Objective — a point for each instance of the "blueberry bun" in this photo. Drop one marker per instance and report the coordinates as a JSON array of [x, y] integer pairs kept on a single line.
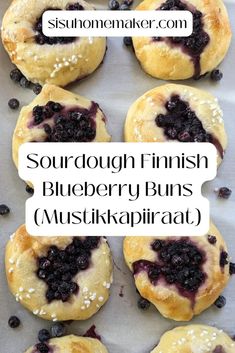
[[180, 276], [57, 115], [56, 60], [177, 113], [59, 278], [178, 58], [69, 344], [193, 339]]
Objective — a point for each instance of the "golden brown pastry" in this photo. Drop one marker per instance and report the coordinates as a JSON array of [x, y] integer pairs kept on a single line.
[[48, 59], [176, 113], [178, 58], [195, 339], [181, 276], [57, 115], [59, 278], [72, 344]]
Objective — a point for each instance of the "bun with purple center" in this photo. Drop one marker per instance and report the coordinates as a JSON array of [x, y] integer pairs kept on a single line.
[[178, 58], [42, 59], [59, 278], [180, 276]]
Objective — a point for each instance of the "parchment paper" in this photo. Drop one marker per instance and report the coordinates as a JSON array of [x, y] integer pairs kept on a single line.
[[115, 85]]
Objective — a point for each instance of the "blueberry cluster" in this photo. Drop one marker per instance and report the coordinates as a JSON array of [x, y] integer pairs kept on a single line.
[[124, 6], [197, 41], [41, 39], [179, 262], [41, 113], [73, 125], [181, 123], [58, 268]]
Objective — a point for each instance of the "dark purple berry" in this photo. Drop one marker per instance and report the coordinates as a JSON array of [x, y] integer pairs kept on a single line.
[[29, 190], [232, 268], [37, 88], [13, 103], [14, 322], [42, 348], [58, 329], [16, 75], [223, 258], [124, 7], [114, 5], [212, 239], [157, 245], [24, 83], [224, 193], [4, 210], [216, 75], [143, 304], [220, 302], [127, 41], [44, 335], [128, 2]]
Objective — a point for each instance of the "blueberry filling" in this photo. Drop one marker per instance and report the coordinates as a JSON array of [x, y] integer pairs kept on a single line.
[[58, 268], [219, 349], [181, 123], [42, 348], [196, 42], [179, 262], [41, 39], [223, 258], [74, 124]]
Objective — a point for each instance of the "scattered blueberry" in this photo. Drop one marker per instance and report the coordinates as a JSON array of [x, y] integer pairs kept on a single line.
[[127, 41], [24, 83], [42, 348], [37, 88], [14, 322], [128, 2], [212, 239], [232, 268], [224, 192], [4, 209], [16, 75], [143, 304], [114, 5], [124, 7], [58, 330], [216, 75], [44, 335], [220, 302], [13, 103], [29, 190]]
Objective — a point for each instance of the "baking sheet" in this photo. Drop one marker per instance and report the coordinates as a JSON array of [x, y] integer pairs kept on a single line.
[[115, 85]]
